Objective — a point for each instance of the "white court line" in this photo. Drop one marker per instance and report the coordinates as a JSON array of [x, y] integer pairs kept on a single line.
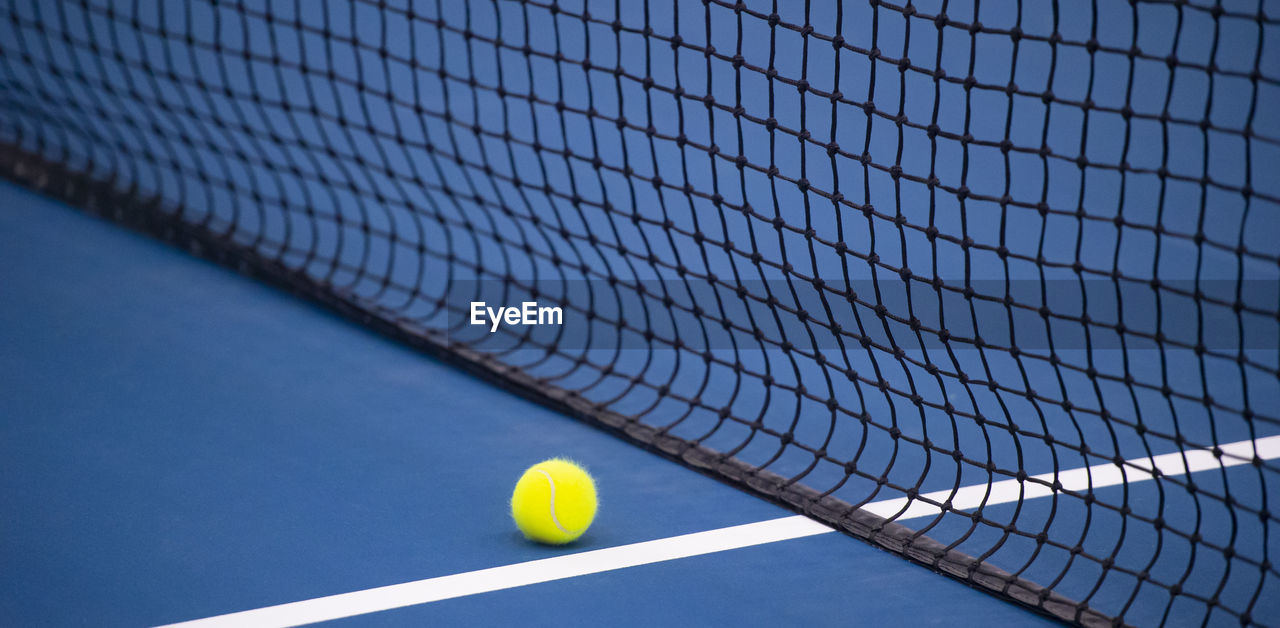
[[719, 540], [1097, 476]]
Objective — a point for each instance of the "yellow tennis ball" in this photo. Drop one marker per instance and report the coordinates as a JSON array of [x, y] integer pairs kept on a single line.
[[554, 502]]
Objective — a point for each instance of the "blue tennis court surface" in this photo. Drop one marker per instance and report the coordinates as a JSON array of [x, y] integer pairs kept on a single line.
[[178, 442]]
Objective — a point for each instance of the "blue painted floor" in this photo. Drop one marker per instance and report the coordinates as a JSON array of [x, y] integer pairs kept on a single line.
[[177, 441]]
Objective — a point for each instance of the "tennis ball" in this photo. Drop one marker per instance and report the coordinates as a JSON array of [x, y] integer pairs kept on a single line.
[[554, 502]]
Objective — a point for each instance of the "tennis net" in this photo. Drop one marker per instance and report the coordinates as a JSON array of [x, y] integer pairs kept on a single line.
[[1011, 268]]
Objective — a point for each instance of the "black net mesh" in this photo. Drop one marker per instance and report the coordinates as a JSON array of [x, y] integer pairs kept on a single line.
[[990, 284]]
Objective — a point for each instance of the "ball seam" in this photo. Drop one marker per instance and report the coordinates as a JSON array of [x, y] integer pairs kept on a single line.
[[552, 483]]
